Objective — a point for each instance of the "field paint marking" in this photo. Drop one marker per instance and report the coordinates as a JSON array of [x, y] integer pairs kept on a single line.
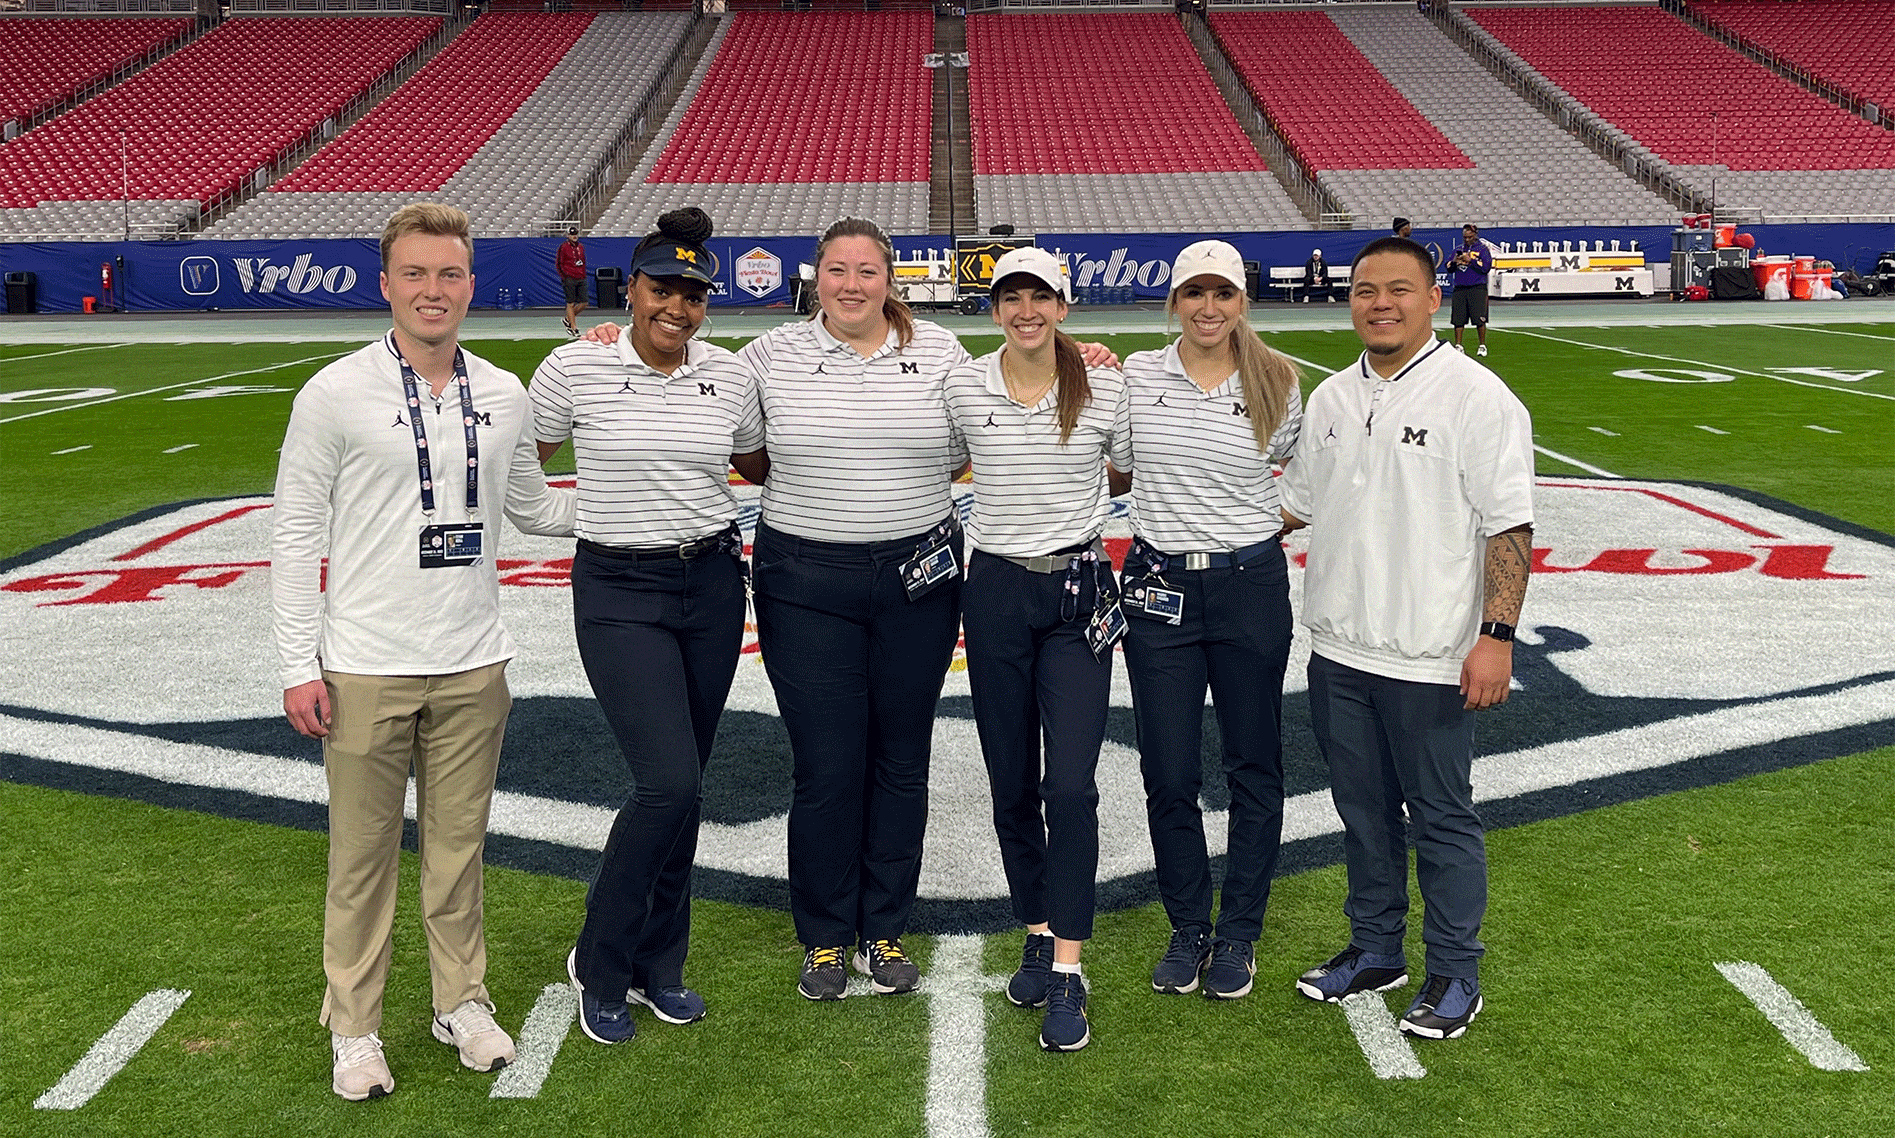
[[74, 450], [1830, 331], [1574, 462], [176, 386], [1702, 363], [1604, 431], [541, 1038], [1389, 1054], [1713, 430], [62, 352], [176, 449], [1825, 430], [1792, 1019], [957, 1039], [113, 1050]]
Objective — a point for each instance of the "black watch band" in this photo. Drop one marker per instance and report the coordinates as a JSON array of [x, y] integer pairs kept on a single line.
[[1498, 630]]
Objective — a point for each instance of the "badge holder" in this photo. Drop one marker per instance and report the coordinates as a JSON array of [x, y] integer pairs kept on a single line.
[[1151, 595], [933, 563], [448, 546]]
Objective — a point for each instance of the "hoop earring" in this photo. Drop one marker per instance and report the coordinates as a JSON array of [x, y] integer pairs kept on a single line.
[[704, 329]]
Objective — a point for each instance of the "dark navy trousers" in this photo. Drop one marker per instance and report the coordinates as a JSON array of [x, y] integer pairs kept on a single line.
[[1035, 683], [659, 639], [857, 667], [1389, 743], [1234, 638]]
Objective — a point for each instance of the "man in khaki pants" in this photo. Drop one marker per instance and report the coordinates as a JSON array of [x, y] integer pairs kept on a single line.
[[398, 658]]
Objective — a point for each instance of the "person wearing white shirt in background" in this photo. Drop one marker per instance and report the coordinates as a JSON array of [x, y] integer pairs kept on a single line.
[[1416, 477], [1208, 596], [1040, 614], [398, 657]]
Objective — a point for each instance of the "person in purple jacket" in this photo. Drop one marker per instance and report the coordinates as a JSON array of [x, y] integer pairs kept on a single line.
[[1470, 265]]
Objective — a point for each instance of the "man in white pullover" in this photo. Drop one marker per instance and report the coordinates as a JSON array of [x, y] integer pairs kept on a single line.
[[394, 655], [1415, 472]]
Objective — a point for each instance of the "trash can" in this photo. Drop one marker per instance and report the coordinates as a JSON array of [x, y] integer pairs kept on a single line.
[[22, 292], [609, 287], [1254, 280]]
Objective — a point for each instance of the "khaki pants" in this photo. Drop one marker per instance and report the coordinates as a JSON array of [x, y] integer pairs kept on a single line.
[[449, 728]]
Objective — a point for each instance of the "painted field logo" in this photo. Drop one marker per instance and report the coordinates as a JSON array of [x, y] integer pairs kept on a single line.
[[1667, 625]]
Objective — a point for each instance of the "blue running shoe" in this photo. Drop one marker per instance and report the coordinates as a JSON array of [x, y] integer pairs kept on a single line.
[[673, 1003], [1028, 987], [1064, 1027], [1184, 958], [603, 1021], [1444, 1008], [1232, 967], [1354, 970]]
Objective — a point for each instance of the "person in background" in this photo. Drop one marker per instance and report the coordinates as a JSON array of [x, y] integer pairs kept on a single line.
[[1469, 266], [1316, 279], [1401, 227], [570, 261], [392, 652]]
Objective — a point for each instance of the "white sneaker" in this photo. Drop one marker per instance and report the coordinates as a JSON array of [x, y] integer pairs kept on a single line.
[[1482, 350], [360, 1071], [1459, 348], [473, 1032]]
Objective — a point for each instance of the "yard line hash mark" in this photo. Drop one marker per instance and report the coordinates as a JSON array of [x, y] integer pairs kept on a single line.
[[74, 450], [1712, 430], [1389, 1055], [1825, 430], [541, 1038], [1792, 1019], [1604, 431], [176, 449], [114, 1049]]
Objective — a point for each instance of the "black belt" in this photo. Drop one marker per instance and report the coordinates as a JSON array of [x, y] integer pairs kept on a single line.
[[1213, 560], [683, 551]]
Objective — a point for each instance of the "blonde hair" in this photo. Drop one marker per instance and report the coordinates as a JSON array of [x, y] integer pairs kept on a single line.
[[431, 218], [894, 309], [1266, 377]]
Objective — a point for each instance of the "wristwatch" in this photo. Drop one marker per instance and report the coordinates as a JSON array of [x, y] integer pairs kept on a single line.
[[1498, 630]]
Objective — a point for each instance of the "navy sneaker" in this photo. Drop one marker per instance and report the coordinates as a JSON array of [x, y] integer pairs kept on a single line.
[[603, 1021], [1064, 1027], [1232, 967], [1184, 958], [1028, 987], [1444, 1008], [889, 969], [823, 977], [673, 1003], [1354, 970]]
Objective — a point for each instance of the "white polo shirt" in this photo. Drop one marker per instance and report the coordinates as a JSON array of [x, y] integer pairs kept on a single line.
[[653, 450], [348, 488], [1033, 494], [860, 449], [1199, 484], [1403, 480]]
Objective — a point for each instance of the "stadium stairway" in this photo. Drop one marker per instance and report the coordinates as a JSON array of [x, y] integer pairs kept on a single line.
[[50, 64], [1845, 44]]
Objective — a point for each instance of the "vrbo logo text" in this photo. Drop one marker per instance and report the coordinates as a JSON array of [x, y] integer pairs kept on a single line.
[[258, 275], [1117, 270]]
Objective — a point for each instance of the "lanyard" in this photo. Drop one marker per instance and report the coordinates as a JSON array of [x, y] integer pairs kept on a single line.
[[411, 391]]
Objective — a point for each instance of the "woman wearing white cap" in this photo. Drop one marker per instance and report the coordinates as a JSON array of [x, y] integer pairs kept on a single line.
[[1040, 614], [1207, 590], [658, 602]]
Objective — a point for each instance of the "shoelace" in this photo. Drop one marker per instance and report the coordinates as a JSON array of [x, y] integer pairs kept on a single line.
[[1434, 992], [1067, 994], [1038, 954], [887, 952], [471, 1019], [1228, 949], [359, 1049], [1185, 947], [826, 958]]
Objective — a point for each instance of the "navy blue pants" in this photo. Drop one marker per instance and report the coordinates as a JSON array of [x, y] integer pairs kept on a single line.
[[857, 667], [660, 640], [1033, 678], [1389, 742], [1235, 638]]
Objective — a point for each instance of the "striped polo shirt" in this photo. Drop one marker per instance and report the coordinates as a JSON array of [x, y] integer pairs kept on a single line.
[[1033, 494], [653, 450], [1199, 484], [860, 448]]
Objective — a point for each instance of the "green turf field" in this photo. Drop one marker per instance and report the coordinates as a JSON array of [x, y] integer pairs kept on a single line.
[[1606, 1015]]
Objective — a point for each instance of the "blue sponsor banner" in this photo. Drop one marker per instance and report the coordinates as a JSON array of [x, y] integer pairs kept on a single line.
[[182, 276]]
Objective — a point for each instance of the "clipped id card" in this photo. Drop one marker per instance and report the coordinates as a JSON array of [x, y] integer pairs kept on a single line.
[[443, 547], [1157, 602], [921, 573], [1106, 626]]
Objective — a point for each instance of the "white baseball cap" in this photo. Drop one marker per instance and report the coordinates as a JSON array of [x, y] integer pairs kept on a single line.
[[1316, 252], [1036, 263], [1209, 258]]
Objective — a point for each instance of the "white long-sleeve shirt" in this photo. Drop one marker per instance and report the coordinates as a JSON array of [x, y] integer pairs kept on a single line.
[[347, 487]]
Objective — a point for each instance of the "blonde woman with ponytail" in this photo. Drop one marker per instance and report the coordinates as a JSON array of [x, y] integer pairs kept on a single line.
[[1207, 593]]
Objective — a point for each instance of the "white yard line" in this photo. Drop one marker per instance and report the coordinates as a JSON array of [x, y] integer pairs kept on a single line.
[[1574, 462], [1604, 431], [1712, 430], [540, 1040], [1389, 1054], [113, 1050], [62, 352], [1703, 364], [1792, 1019], [957, 1039], [175, 386], [176, 449], [74, 450], [1825, 430], [1832, 332]]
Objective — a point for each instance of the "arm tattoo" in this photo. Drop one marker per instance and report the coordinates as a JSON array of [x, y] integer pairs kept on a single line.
[[1509, 558]]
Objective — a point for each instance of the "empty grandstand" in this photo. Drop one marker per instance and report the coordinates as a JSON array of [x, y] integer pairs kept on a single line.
[[1845, 43], [47, 61]]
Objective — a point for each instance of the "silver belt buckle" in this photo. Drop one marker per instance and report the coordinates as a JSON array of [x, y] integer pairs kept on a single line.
[[1198, 561], [1043, 564], [689, 549]]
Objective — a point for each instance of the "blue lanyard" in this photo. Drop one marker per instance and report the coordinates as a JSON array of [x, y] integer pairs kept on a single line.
[[411, 390]]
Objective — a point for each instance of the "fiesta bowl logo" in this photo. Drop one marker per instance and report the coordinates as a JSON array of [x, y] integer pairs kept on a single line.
[[758, 272], [1669, 629]]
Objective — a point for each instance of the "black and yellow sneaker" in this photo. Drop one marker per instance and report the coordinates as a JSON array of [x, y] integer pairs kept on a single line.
[[823, 975], [889, 969]]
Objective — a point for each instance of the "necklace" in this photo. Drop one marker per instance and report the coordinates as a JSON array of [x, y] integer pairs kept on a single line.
[[1027, 393]]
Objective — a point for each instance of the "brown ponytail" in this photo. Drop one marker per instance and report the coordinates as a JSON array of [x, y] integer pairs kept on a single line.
[[1072, 390]]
